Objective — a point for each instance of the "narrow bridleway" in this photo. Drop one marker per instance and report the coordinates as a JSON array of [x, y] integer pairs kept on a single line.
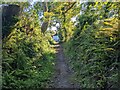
[[62, 70]]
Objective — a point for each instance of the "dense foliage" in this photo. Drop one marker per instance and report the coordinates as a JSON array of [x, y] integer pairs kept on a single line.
[[94, 49], [91, 43], [27, 56]]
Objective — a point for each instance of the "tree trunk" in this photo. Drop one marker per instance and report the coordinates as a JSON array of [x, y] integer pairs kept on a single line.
[[45, 23]]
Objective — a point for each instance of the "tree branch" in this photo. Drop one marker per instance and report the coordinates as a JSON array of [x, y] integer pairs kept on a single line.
[[70, 7]]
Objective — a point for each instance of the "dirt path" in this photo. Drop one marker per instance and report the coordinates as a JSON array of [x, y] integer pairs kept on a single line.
[[63, 72]]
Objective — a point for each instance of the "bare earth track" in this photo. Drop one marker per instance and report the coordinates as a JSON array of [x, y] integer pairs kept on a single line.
[[62, 71]]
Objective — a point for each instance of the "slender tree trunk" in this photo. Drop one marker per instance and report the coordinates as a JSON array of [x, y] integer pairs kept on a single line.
[[45, 23], [65, 31]]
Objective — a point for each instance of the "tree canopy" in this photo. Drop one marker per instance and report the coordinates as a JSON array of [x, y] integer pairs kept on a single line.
[[90, 33]]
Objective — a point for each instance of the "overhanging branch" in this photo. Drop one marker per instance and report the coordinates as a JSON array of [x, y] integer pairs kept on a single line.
[[70, 7]]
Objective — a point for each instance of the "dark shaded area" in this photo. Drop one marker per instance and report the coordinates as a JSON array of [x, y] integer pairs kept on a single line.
[[9, 18]]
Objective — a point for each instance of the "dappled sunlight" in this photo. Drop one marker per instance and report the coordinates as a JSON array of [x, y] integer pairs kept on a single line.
[[60, 45]]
